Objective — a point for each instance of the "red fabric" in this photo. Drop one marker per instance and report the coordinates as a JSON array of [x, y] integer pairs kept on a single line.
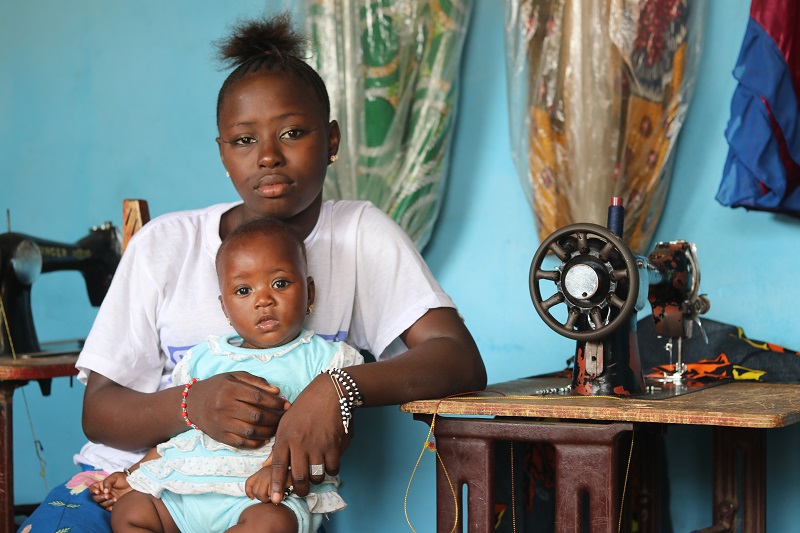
[[792, 168], [781, 20]]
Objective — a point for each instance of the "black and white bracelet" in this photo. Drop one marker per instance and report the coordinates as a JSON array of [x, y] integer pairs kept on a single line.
[[354, 397], [349, 395]]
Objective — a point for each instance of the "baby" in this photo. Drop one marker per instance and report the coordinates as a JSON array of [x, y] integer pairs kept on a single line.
[[194, 483]]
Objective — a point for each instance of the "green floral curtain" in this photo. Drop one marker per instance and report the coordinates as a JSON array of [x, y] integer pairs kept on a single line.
[[391, 67]]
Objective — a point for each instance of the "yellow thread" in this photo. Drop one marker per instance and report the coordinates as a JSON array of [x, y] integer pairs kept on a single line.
[[526, 397], [500, 516], [441, 462], [8, 330], [625, 483]]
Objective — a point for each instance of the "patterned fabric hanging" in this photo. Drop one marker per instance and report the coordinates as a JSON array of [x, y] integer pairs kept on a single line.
[[392, 69], [598, 91], [762, 171]]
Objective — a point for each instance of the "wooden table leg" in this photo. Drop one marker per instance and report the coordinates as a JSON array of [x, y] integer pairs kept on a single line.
[[6, 456], [466, 459], [590, 470], [740, 468], [586, 462]]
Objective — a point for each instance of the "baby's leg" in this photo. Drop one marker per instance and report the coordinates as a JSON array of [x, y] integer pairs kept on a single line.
[[139, 512], [266, 518]]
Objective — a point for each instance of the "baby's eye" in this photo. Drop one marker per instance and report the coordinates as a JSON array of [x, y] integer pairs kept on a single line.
[[280, 283], [242, 291]]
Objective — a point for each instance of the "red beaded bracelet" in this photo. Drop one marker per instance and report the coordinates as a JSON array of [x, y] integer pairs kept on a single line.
[[185, 395]]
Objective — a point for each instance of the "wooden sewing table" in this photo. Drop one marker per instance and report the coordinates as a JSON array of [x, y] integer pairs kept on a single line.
[[15, 373], [586, 437]]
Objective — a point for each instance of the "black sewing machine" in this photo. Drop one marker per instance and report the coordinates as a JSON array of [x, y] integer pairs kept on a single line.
[[603, 285], [23, 258]]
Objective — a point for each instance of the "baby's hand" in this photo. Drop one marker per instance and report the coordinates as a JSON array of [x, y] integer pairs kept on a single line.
[[258, 485], [108, 491]]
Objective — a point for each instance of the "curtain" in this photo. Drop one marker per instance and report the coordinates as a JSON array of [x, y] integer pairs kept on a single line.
[[391, 67], [598, 92]]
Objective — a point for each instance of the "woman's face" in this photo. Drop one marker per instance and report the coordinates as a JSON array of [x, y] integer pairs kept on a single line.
[[275, 141], [264, 290]]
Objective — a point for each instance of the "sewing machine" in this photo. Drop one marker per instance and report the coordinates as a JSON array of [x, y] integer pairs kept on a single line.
[[603, 285], [23, 258]]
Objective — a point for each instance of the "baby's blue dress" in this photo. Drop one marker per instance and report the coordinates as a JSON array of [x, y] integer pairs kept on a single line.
[[200, 480]]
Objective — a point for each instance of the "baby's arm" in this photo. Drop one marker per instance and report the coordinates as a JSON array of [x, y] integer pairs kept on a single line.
[[112, 488]]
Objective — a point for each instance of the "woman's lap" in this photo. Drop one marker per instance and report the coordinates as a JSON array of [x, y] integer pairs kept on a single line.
[[69, 507]]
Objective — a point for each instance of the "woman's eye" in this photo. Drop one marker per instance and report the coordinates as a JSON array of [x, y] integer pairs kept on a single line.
[[243, 291], [280, 284], [292, 134], [243, 141]]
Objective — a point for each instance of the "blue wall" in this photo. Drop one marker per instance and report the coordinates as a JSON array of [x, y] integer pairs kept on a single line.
[[101, 101]]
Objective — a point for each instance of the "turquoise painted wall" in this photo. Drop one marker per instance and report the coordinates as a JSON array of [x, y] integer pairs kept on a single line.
[[102, 101]]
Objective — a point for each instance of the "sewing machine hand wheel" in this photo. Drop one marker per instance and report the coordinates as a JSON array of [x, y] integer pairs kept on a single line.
[[597, 279]]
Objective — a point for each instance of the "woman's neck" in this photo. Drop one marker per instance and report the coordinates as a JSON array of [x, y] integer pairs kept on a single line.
[[303, 222]]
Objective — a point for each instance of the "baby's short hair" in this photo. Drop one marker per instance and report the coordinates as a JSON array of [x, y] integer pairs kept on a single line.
[[271, 227]]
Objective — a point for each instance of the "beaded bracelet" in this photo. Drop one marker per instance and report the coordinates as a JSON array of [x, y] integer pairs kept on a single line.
[[185, 395], [347, 412], [354, 396], [342, 381]]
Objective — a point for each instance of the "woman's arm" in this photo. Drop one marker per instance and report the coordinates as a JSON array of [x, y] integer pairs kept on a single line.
[[442, 359], [236, 408]]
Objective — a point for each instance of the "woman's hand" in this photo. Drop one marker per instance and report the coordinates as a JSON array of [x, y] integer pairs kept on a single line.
[[236, 408], [310, 433]]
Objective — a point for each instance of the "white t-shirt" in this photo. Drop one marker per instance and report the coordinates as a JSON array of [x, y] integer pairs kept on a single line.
[[371, 285]]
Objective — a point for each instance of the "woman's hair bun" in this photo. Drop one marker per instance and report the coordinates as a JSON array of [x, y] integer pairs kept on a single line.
[[250, 39], [265, 45]]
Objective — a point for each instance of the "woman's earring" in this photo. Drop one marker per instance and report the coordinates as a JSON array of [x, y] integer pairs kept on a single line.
[[227, 174], [333, 158], [310, 307]]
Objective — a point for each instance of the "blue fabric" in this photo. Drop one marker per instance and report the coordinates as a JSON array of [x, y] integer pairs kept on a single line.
[[69, 508], [755, 177]]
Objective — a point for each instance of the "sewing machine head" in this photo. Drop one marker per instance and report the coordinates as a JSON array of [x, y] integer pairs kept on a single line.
[[603, 285], [23, 258]]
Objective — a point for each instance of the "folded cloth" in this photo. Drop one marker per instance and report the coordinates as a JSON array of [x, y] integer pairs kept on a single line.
[[729, 354]]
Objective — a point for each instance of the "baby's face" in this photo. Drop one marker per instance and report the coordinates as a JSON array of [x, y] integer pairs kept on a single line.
[[265, 290]]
